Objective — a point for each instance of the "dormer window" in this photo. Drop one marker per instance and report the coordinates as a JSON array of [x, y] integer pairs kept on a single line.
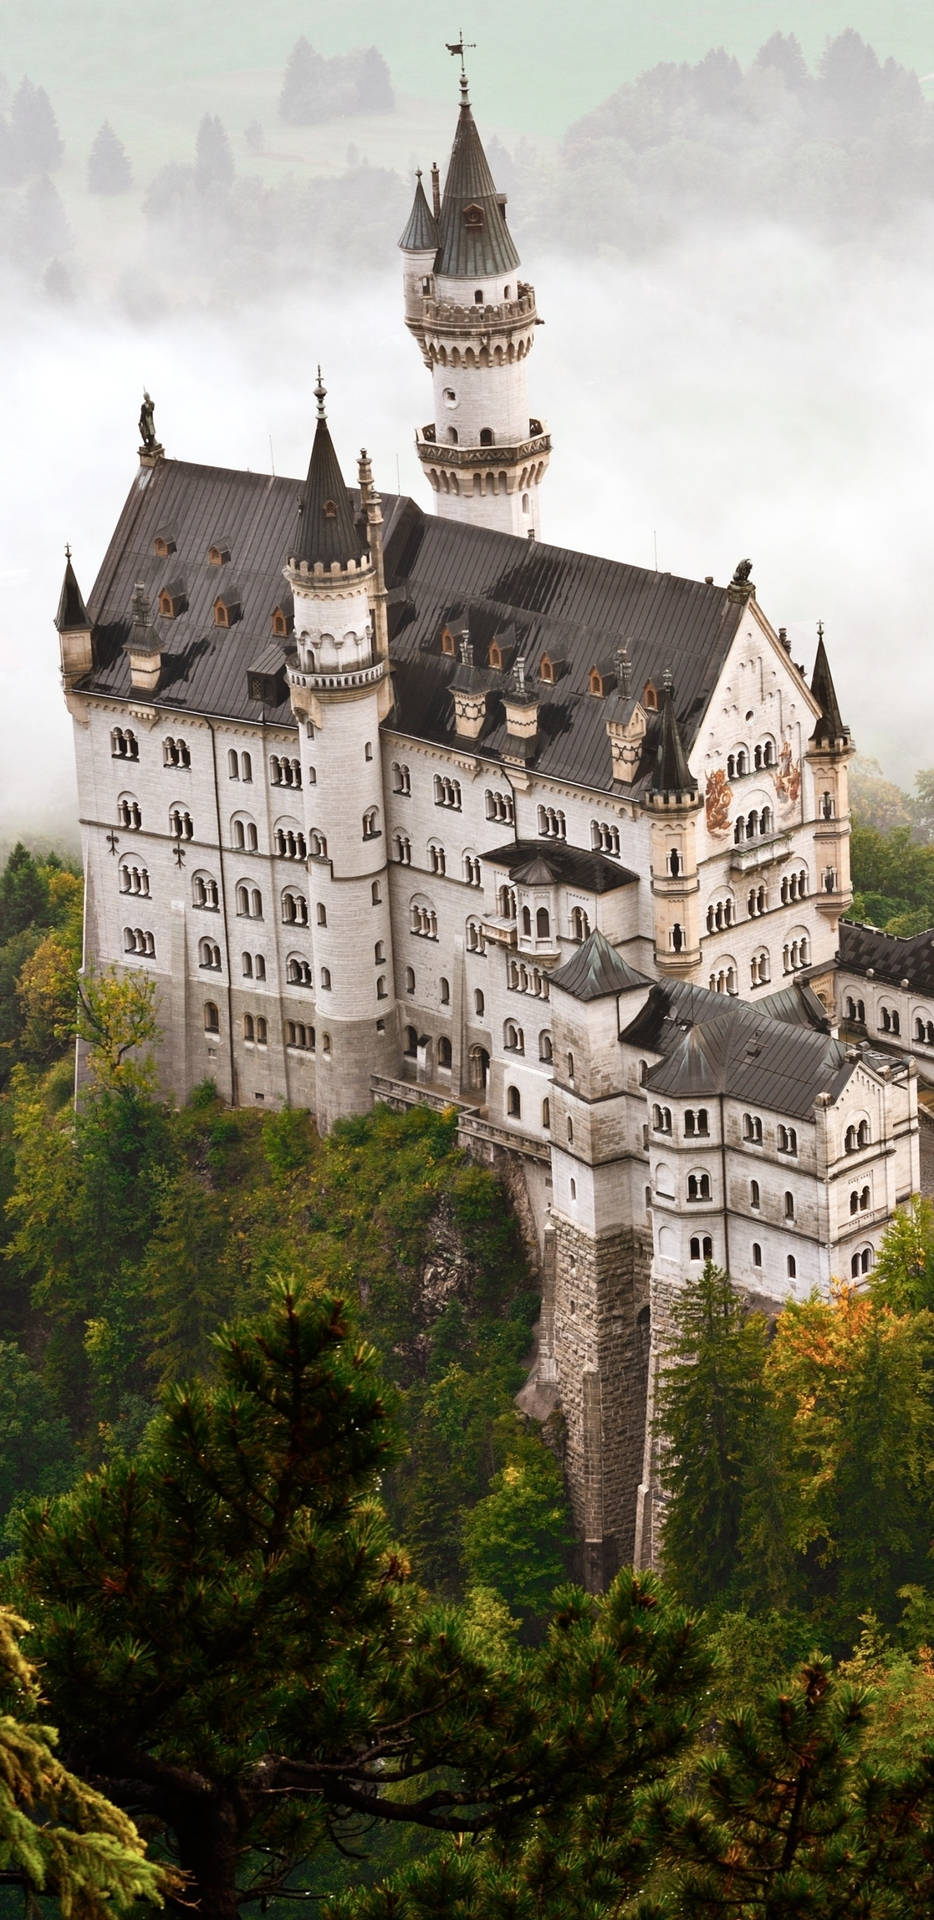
[[650, 697], [219, 553], [280, 623], [164, 543], [597, 683], [330, 509], [496, 656], [447, 642], [473, 219], [226, 609], [547, 670], [173, 600]]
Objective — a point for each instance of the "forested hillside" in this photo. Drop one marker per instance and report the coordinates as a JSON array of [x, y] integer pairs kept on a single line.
[[297, 1598]]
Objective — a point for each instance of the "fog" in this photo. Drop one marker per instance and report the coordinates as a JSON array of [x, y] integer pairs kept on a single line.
[[738, 390]]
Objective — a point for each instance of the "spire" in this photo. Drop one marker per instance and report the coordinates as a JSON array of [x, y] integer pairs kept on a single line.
[[475, 241], [72, 615], [830, 727], [421, 230], [672, 774], [326, 531]]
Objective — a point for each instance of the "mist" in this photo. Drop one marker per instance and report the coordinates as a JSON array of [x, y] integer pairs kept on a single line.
[[740, 389]]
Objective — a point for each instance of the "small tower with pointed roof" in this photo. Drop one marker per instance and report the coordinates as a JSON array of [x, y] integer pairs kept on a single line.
[[673, 802], [829, 749], [474, 318], [75, 632], [339, 688]]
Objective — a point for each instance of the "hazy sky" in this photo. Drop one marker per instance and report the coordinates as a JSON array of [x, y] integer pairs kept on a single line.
[[736, 395]]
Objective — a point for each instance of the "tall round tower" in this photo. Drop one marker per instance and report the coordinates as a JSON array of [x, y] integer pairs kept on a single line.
[[339, 686], [474, 318]]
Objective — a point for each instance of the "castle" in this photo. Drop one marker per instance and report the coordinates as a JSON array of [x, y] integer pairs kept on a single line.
[[417, 807]]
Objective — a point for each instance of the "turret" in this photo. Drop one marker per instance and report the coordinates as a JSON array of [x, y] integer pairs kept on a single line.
[[340, 690], [474, 319], [674, 802], [828, 752], [75, 632]]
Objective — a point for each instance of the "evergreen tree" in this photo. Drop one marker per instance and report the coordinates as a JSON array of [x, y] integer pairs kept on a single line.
[[304, 87], [228, 1639], [518, 1539], [711, 1405], [214, 165], [374, 86], [37, 144], [58, 1836], [789, 1821], [782, 52], [24, 894], [109, 170]]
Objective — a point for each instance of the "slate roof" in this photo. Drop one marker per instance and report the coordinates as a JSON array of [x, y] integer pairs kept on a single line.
[[468, 252], [596, 970], [561, 865], [420, 234], [710, 1045], [829, 727], [326, 530], [72, 613], [439, 572], [797, 1004], [867, 949], [671, 774]]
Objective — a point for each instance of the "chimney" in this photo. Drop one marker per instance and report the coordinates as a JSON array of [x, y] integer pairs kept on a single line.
[[521, 708], [144, 646], [469, 689], [435, 190]]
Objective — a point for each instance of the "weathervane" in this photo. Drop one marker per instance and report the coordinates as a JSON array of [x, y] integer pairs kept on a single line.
[[460, 47]]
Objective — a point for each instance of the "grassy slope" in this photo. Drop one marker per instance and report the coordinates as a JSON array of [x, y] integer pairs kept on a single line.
[[537, 65]]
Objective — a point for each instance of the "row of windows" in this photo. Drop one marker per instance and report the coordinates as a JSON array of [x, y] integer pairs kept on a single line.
[[741, 762], [756, 825], [284, 770], [522, 979], [137, 940], [786, 1138], [696, 1121], [889, 1020], [722, 913]]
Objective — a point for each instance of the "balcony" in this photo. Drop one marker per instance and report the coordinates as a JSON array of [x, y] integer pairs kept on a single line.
[[448, 316], [436, 453], [752, 855], [502, 932]]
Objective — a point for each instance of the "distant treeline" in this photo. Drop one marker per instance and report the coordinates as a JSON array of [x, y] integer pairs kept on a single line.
[[840, 151]]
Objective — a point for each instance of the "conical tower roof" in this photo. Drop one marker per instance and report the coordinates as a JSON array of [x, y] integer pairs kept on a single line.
[[597, 969], [420, 234], [672, 773], [475, 240], [326, 532], [829, 727], [72, 613]]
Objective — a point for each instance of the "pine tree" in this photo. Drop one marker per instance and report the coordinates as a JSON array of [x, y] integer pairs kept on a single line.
[[23, 894], [37, 144], [58, 1836], [109, 170], [303, 99], [711, 1405], [214, 165], [229, 1640]]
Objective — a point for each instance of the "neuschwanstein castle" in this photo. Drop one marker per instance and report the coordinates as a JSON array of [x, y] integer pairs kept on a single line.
[[412, 806]]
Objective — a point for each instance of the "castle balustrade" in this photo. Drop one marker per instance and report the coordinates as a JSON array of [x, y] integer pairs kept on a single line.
[[434, 453], [751, 855]]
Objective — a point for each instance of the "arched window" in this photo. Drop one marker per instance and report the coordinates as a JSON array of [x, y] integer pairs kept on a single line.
[[527, 922], [410, 1043], [661, 1119], [788, 1140], [544, 1046], [570, 1132], [437, 860], [580, 924], [506, 901], [486, 436], [754, 1199], [211, 1018], [472, 873], [204, 891], [756, 1254], [401, 778], [128, 812], [791, 1265], [698, 1186], [570, 1066], [445, 991], [479, 1003], [546, 1116], [542, 924], [175, 752], [752, 1129], [298, 970], [789, 1205], [326, 979], [209, 955], [513, 1038], [124, 744], [180, 824], [294, 908], [445, 1054], [321, 914], [513, 1103], [249, 1028], [371, 823]]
